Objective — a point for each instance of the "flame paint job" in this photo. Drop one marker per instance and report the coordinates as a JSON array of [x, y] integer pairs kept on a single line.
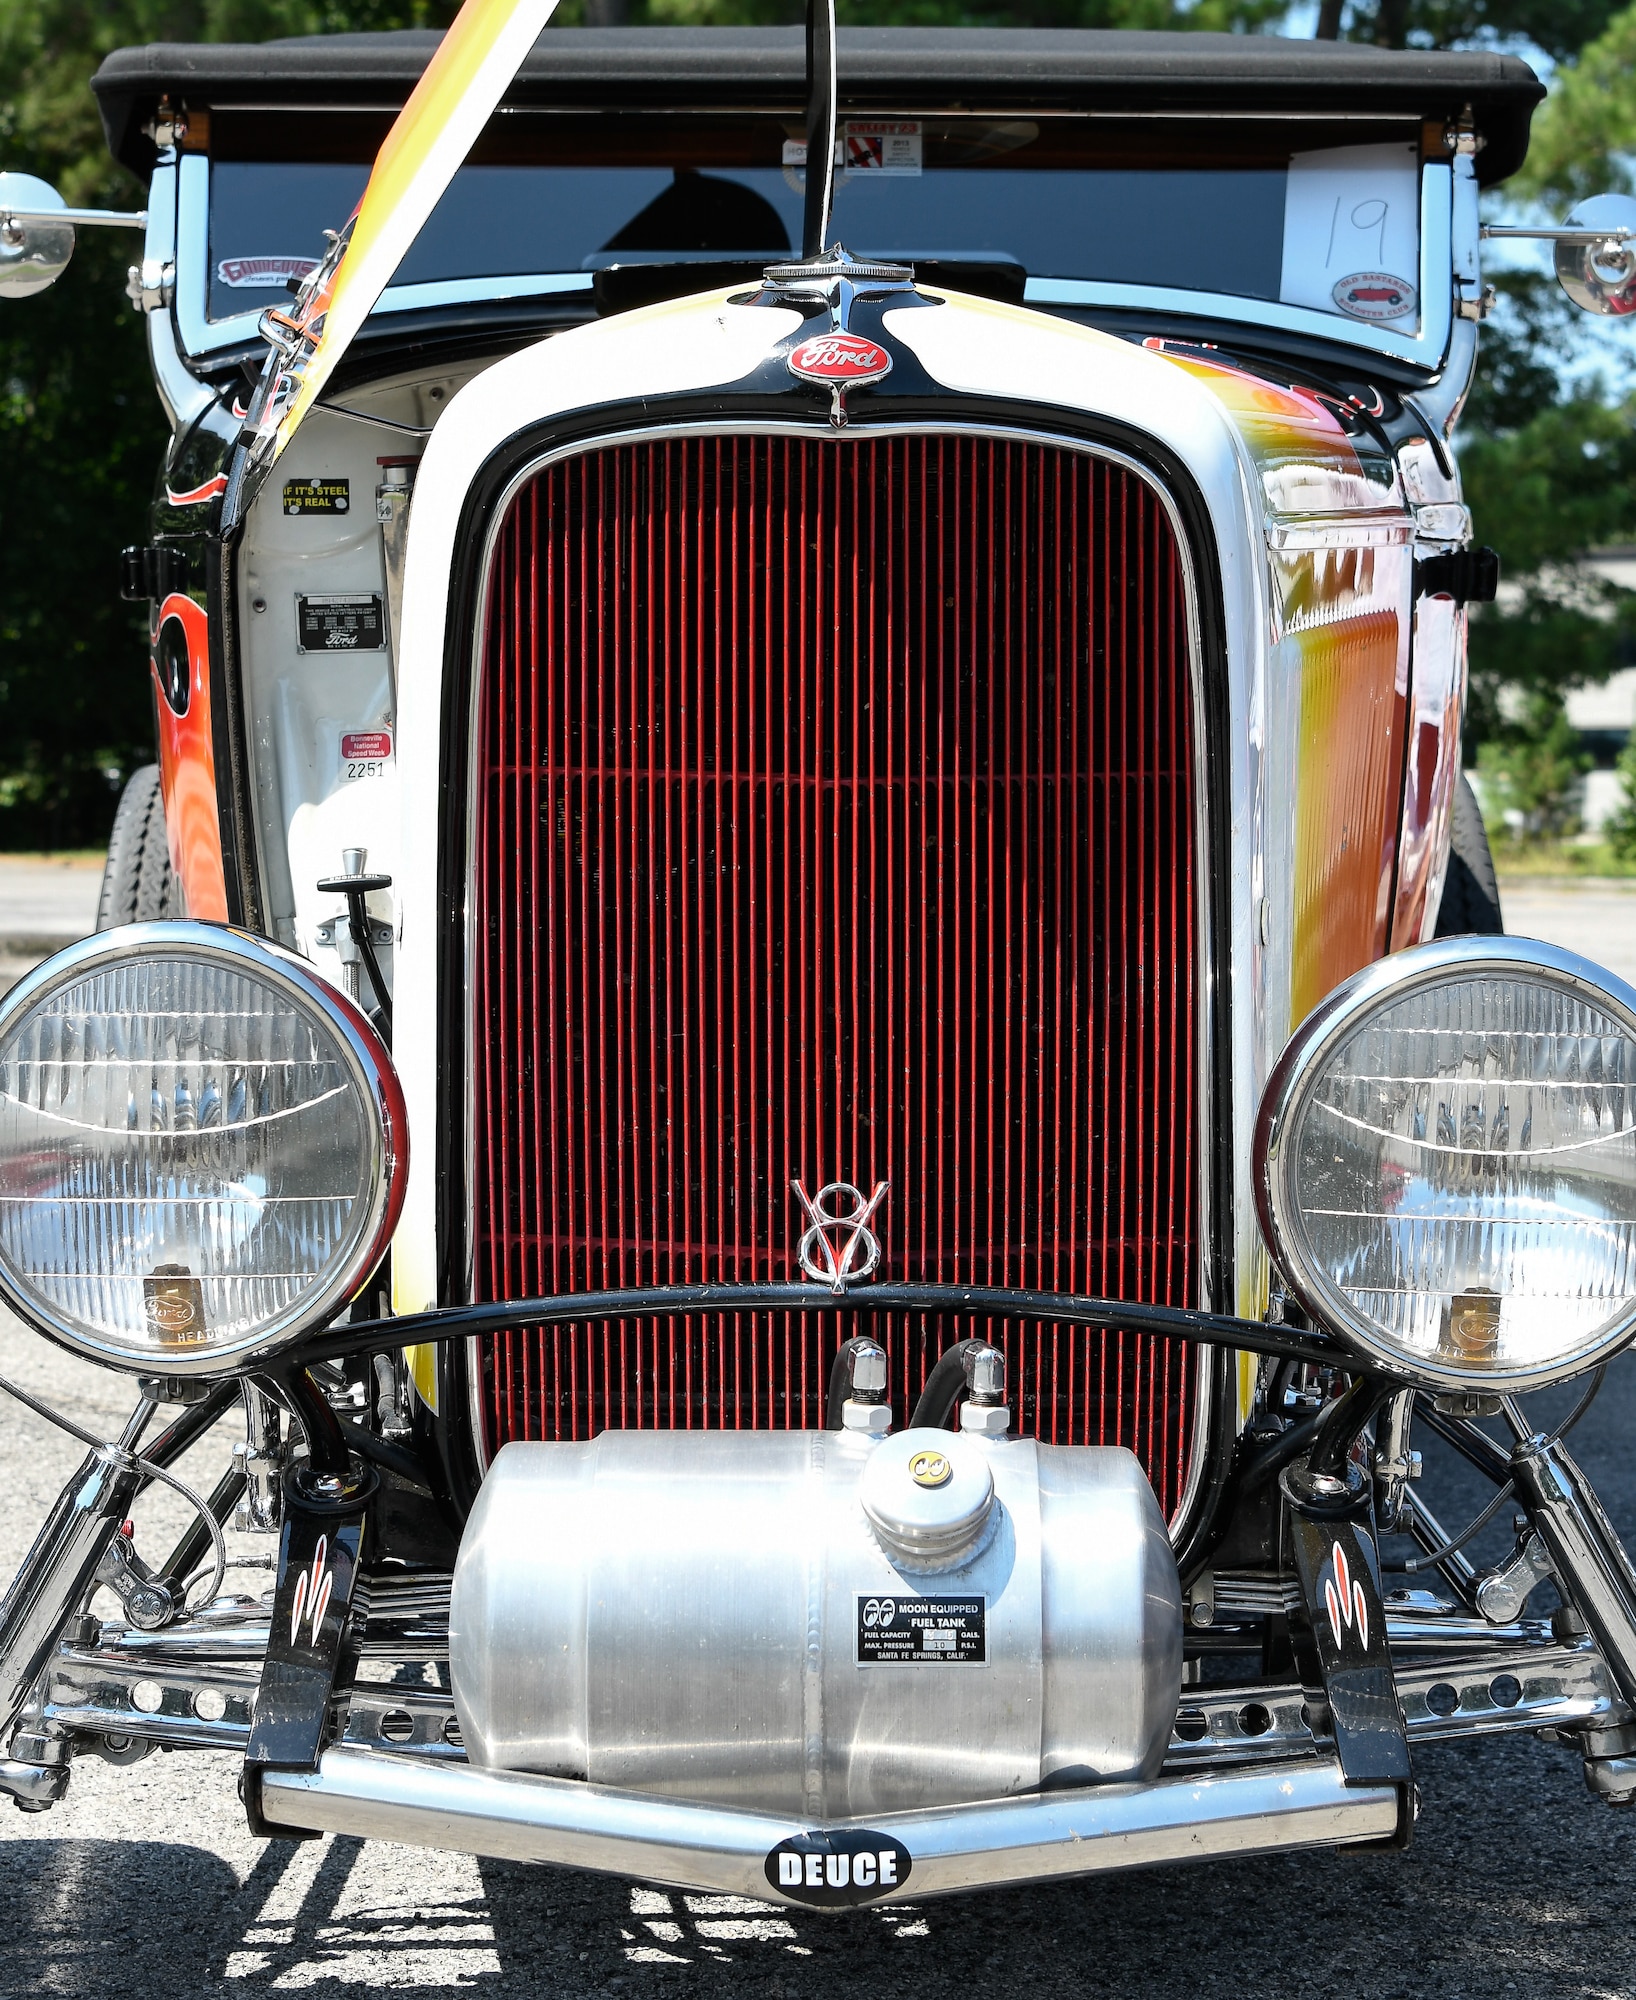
[[1437, 692], [1342, 576], [187, 769]]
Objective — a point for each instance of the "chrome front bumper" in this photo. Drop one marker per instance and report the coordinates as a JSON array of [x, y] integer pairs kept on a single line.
[[1043, 1837]]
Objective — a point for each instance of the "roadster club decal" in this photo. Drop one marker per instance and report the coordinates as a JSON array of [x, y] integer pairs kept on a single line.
[[1344, 1600], [1375, 295], [837, 1870], [840, 357]]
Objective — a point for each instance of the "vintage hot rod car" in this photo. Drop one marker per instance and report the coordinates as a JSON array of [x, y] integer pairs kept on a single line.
[[893, 807]]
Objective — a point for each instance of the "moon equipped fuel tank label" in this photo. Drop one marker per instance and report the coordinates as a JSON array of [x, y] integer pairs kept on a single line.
[[339, 625], [317, 496], [930, 1631]]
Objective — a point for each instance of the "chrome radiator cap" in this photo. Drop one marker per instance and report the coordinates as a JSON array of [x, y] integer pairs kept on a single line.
[[929, 1496]]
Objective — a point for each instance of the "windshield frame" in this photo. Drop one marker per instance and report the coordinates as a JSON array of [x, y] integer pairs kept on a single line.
[[207, 342]]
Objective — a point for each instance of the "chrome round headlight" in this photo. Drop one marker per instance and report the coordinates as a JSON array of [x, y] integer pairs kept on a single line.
[[1446, 1163], [203, 1148]]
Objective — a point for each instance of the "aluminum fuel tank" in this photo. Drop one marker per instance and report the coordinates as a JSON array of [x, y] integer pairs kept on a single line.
[[817, 1621]]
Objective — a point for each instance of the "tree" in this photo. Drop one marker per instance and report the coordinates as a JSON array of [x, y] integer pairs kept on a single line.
[[1531, 766], [1583, 133], [81, 432], [1559, 27]]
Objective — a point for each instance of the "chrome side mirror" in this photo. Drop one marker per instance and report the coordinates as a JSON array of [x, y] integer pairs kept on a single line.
[[1595, 253], [34, 248], [1599, 271]]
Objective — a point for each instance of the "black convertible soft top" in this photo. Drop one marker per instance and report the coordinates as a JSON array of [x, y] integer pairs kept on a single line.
[[903, 69]]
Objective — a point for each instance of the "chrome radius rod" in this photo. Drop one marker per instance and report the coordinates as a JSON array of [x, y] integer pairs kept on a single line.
[[60, 1568]]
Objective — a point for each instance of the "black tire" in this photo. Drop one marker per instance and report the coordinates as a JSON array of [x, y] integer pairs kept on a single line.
[[138, 883], [1471, 891]]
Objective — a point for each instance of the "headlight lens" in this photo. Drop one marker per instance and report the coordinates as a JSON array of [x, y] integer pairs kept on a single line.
[[202, 1148], [1447, 1163]]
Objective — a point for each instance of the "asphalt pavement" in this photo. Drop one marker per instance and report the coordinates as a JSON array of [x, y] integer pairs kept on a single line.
[[46, 901], [144, 1879]]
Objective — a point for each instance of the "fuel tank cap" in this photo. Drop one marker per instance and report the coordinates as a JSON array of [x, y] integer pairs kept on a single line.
[[928, 1495]]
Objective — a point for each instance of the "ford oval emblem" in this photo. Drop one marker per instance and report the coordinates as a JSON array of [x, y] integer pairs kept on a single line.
[[836, 1871], [842, 358]]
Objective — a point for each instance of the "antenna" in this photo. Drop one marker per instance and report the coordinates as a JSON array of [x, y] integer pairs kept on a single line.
[[820, 126]]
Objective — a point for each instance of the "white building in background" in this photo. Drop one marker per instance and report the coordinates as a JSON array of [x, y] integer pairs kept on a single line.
[[1605, 715]]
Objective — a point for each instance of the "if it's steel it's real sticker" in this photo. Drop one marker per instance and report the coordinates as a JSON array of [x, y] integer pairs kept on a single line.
[[317, 496], [840, 1869]]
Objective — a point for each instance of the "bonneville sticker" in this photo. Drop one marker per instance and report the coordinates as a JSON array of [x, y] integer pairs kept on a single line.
[[339, 625], [840, 1869], [365, 753], [929, 1631], [317, 496]]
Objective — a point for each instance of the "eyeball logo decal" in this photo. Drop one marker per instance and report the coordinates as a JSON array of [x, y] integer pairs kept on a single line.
[[930, 1468], [1344, 1600], [840, 357]]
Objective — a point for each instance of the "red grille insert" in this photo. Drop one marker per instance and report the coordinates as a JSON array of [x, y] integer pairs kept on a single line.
[[835, 820]]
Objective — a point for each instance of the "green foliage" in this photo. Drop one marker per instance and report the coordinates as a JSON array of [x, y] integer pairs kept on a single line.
[[1550, 472], [1559, 27], [81, 433], [1530, 768], [1583, 135], [1619, 830]]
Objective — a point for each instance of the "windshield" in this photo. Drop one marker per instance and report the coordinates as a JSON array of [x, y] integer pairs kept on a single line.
[[1330, 227]]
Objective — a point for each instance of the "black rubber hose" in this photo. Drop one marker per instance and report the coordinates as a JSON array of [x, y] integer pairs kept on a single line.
[[325, 1434], [1283, 1450], [358, 915], [840, 1379], [1343, 1423], [944, 1387], [390, 1456]]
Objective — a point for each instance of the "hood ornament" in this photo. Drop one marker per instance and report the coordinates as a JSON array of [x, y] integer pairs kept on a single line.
[[838, 1247], [837, 359]]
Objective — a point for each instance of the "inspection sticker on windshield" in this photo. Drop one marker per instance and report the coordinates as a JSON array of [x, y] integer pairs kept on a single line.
[[869, 146], [883, 146], [339, 625], [929, 1631]]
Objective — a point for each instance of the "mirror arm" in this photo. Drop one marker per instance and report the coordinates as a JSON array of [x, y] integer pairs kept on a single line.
[[1561, 235], [75, 218]]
